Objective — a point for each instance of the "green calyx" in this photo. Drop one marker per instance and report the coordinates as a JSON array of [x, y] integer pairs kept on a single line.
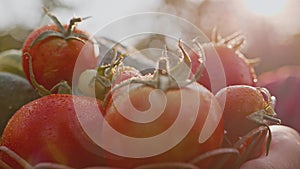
[[235, 41], [106, 73], [267, 115], [165, 78], [63, 33]]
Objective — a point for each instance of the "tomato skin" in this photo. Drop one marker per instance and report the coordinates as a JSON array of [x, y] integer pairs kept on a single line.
[[47, 130], [54, 58], [188, 148], [238, 71], [239, 101], [124, 73]]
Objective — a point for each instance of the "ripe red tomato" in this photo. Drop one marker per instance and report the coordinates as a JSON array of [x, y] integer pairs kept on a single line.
[[246, 108], [239, 102], [55, 49], [146, 112], [124, 73], [48, 130], [221, 57]]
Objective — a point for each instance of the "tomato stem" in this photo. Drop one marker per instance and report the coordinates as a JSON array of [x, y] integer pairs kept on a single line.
[[55, 20], [73, 24], [272, 119], [41, 89], [202, 59], [63, 86], [182, 70], [214, 152], [62, 32], [215, 36], [15, 156], [266, 115], [163, 78], [4, 165], [248, 152]]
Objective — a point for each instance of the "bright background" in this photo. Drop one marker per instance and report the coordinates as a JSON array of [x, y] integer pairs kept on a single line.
[[271, 27]]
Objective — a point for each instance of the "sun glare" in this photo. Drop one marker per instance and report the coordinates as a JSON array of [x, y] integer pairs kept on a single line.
[[265, 7]]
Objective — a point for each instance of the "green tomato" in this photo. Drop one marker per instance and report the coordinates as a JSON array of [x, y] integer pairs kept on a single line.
[[10, 61], [15, 91]]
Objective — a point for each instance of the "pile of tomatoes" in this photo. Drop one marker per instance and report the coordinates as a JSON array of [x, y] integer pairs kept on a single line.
[[183, 116]]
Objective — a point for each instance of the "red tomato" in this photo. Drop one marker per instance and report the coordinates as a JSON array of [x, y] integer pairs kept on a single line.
[[193, 105], [237, 69], [125, 73], [54, 56], [48, 130], [239, 102]]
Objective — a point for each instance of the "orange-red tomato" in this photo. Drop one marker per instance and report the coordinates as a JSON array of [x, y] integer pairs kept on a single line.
[[219, 58], [54, 58], [48, 130], [240, 101], [192, 106]]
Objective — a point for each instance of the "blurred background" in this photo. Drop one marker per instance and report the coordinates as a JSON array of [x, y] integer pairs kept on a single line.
[[271, 27]]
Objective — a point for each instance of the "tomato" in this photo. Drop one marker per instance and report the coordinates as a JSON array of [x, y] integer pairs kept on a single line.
[[48, 130], [189, 147], [240, 101], [284, 83], [55, 50], [247, 112], [124, 73], [238, 70], [284, 152], [182, 119], [15, 91]]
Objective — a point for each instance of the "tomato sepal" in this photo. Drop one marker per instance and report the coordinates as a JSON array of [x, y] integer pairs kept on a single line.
[[45, 35]]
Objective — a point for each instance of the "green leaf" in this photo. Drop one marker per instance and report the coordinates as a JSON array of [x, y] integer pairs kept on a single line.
[[46, 34]]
